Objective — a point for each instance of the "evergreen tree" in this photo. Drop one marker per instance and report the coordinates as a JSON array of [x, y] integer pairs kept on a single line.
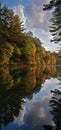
[[55, 27]]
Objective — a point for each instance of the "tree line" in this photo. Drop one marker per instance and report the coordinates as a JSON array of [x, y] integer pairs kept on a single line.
[[17, 46]]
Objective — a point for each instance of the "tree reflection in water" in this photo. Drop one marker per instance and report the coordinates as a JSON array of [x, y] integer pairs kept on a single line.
[[55, 105], [19, 84]]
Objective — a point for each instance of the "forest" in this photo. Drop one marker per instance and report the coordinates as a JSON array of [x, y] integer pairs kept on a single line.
[[18, 47], [30, 76]]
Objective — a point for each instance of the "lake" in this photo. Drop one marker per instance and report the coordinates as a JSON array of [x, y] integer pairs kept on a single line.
[[30, 98]]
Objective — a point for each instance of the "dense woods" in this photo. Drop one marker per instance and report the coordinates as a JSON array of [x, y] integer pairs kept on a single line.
[[30, 76], [24, 67], [18, 46]]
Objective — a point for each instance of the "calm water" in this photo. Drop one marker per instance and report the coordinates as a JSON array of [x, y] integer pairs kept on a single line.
[[30, 98]]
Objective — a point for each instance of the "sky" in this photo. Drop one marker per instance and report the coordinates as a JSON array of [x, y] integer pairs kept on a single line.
[[34, 19]]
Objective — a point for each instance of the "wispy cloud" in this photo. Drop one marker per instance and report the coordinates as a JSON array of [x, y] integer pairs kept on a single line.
[[36, 20], [19, 10], [33, 15], [36, 17]]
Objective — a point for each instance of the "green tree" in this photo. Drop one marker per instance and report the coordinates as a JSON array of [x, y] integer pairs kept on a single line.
[[11, 23], [6, 51], [4, 20], [15, 28], [29, 50], [55, 27]]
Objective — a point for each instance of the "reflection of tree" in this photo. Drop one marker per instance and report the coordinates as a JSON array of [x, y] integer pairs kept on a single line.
[[55, 105], [59, 78], [15, 85], [48, 127], [10, 106], [59, 71], [6, 78]]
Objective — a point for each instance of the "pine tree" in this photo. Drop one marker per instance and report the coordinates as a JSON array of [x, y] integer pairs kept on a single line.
[[55, 27]]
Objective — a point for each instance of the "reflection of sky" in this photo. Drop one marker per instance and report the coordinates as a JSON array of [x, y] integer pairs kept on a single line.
[[35, 112]]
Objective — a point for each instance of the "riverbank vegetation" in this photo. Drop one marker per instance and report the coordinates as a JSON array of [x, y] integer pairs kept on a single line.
[[18, 47]]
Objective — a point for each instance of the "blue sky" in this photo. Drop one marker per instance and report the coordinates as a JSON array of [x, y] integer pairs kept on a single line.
[[13, 3], [34, 18]]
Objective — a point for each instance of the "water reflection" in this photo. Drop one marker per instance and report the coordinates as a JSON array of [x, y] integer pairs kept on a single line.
[[55, 105], [25, 97]]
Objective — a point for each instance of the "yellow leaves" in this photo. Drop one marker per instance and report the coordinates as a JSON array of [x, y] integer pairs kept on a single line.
[[7, 49], [17, 50], [6, 53], [33, 54], [19, 46], [6, 78], [33, 47]]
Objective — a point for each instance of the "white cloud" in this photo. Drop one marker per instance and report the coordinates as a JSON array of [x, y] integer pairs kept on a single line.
[[50, 85], [19, 10], [51, 47], [36, 20], [33, 16], [42, 113], [36, 17]]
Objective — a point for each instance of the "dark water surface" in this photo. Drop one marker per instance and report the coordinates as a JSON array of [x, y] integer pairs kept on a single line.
[[30, 98]]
